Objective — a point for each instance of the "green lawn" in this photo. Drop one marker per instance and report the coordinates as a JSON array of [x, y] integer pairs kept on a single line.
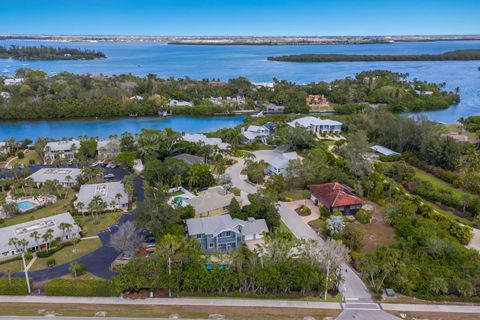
[[437, 183], [61, 206], [30, 155], [14, 266], [90, 228], [66, 254]]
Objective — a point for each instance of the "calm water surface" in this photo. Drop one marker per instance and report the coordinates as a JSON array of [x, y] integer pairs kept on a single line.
[[104, 128], [225, 62]]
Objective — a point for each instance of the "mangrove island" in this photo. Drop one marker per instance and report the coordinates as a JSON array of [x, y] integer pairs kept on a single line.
[[48, 53], [457, 55]]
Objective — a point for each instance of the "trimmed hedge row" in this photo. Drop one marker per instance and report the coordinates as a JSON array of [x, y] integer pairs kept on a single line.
[[46, 254], [14, 287], [80, 288]]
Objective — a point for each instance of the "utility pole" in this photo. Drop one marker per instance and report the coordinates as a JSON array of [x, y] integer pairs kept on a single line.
[[169, 273], [26, 272], [326, 279]]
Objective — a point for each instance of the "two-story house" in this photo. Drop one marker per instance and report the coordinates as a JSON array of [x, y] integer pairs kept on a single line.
[[222, 233], [253, 133], [317, 125], [61, 149]]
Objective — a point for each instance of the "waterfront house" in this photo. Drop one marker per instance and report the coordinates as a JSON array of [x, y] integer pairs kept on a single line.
[[222, 233], [201, 138], [176, 103], [213, 201], [13, 81], [108, 149], [61, 149], [189, 159], [237, 100], [32, 232], [253, 133], [317, 100], [4, 148], [112, 194], [67, 177], [280, 164], [273, 108], [336, 197], [317, 125]]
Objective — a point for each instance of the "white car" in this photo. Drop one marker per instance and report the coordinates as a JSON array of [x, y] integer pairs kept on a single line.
[[109, 176]]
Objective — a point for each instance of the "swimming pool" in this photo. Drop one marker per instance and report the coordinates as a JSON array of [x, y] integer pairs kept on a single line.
[[25, 205]]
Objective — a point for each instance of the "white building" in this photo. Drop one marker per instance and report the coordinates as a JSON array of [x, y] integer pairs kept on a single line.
[[67, 177], [113, 194], [108, 149], [138, 166], [4, 147], [28, 230], [253, 133], [201, 138], [279, 165], [218, 101], [176, 103], [61, 149], [13, 81], [317, 125]]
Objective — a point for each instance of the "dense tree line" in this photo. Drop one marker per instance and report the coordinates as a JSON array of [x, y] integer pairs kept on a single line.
[[48, 53], [282, 267], [458, 55], [67, 95]]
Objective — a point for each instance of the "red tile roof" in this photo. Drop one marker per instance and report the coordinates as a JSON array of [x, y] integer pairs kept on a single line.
[[335, 194]]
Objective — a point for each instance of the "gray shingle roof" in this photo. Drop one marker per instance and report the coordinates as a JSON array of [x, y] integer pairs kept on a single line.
[[218, 224]]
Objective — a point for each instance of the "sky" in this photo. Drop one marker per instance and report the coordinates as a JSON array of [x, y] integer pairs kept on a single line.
[[240, 17]]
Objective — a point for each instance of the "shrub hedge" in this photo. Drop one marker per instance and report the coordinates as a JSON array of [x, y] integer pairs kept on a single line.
[[14, 287], [58, 247], [80, 288]]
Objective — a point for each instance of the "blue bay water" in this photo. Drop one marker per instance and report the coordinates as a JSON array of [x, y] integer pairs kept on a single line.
[[225, 62]]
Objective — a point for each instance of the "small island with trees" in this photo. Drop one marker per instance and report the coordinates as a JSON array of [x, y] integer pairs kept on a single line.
[[48, 53], [457, 55]]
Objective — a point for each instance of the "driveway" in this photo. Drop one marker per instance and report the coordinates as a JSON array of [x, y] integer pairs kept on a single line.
[[239, 180]]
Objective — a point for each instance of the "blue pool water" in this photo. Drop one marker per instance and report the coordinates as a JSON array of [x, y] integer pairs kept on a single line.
[[25, 205]]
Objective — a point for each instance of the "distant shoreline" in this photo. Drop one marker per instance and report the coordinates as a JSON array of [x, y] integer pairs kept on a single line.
[[242, 40], [458, 55]]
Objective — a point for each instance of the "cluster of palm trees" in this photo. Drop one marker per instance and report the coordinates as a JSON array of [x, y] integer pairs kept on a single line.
[[21, 245], [97, 205]]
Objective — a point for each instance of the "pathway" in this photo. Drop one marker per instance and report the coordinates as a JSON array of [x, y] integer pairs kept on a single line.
[[264, 303]]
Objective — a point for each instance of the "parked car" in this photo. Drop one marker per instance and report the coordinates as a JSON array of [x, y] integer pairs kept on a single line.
[[109, 176], [111, 165]]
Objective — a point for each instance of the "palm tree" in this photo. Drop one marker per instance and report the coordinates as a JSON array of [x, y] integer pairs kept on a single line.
[[192, 180], [68, 179], [47, 237], [118, 197], [36, 236], [66, 228], [177, 181], [14, 242], [80, 207]]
